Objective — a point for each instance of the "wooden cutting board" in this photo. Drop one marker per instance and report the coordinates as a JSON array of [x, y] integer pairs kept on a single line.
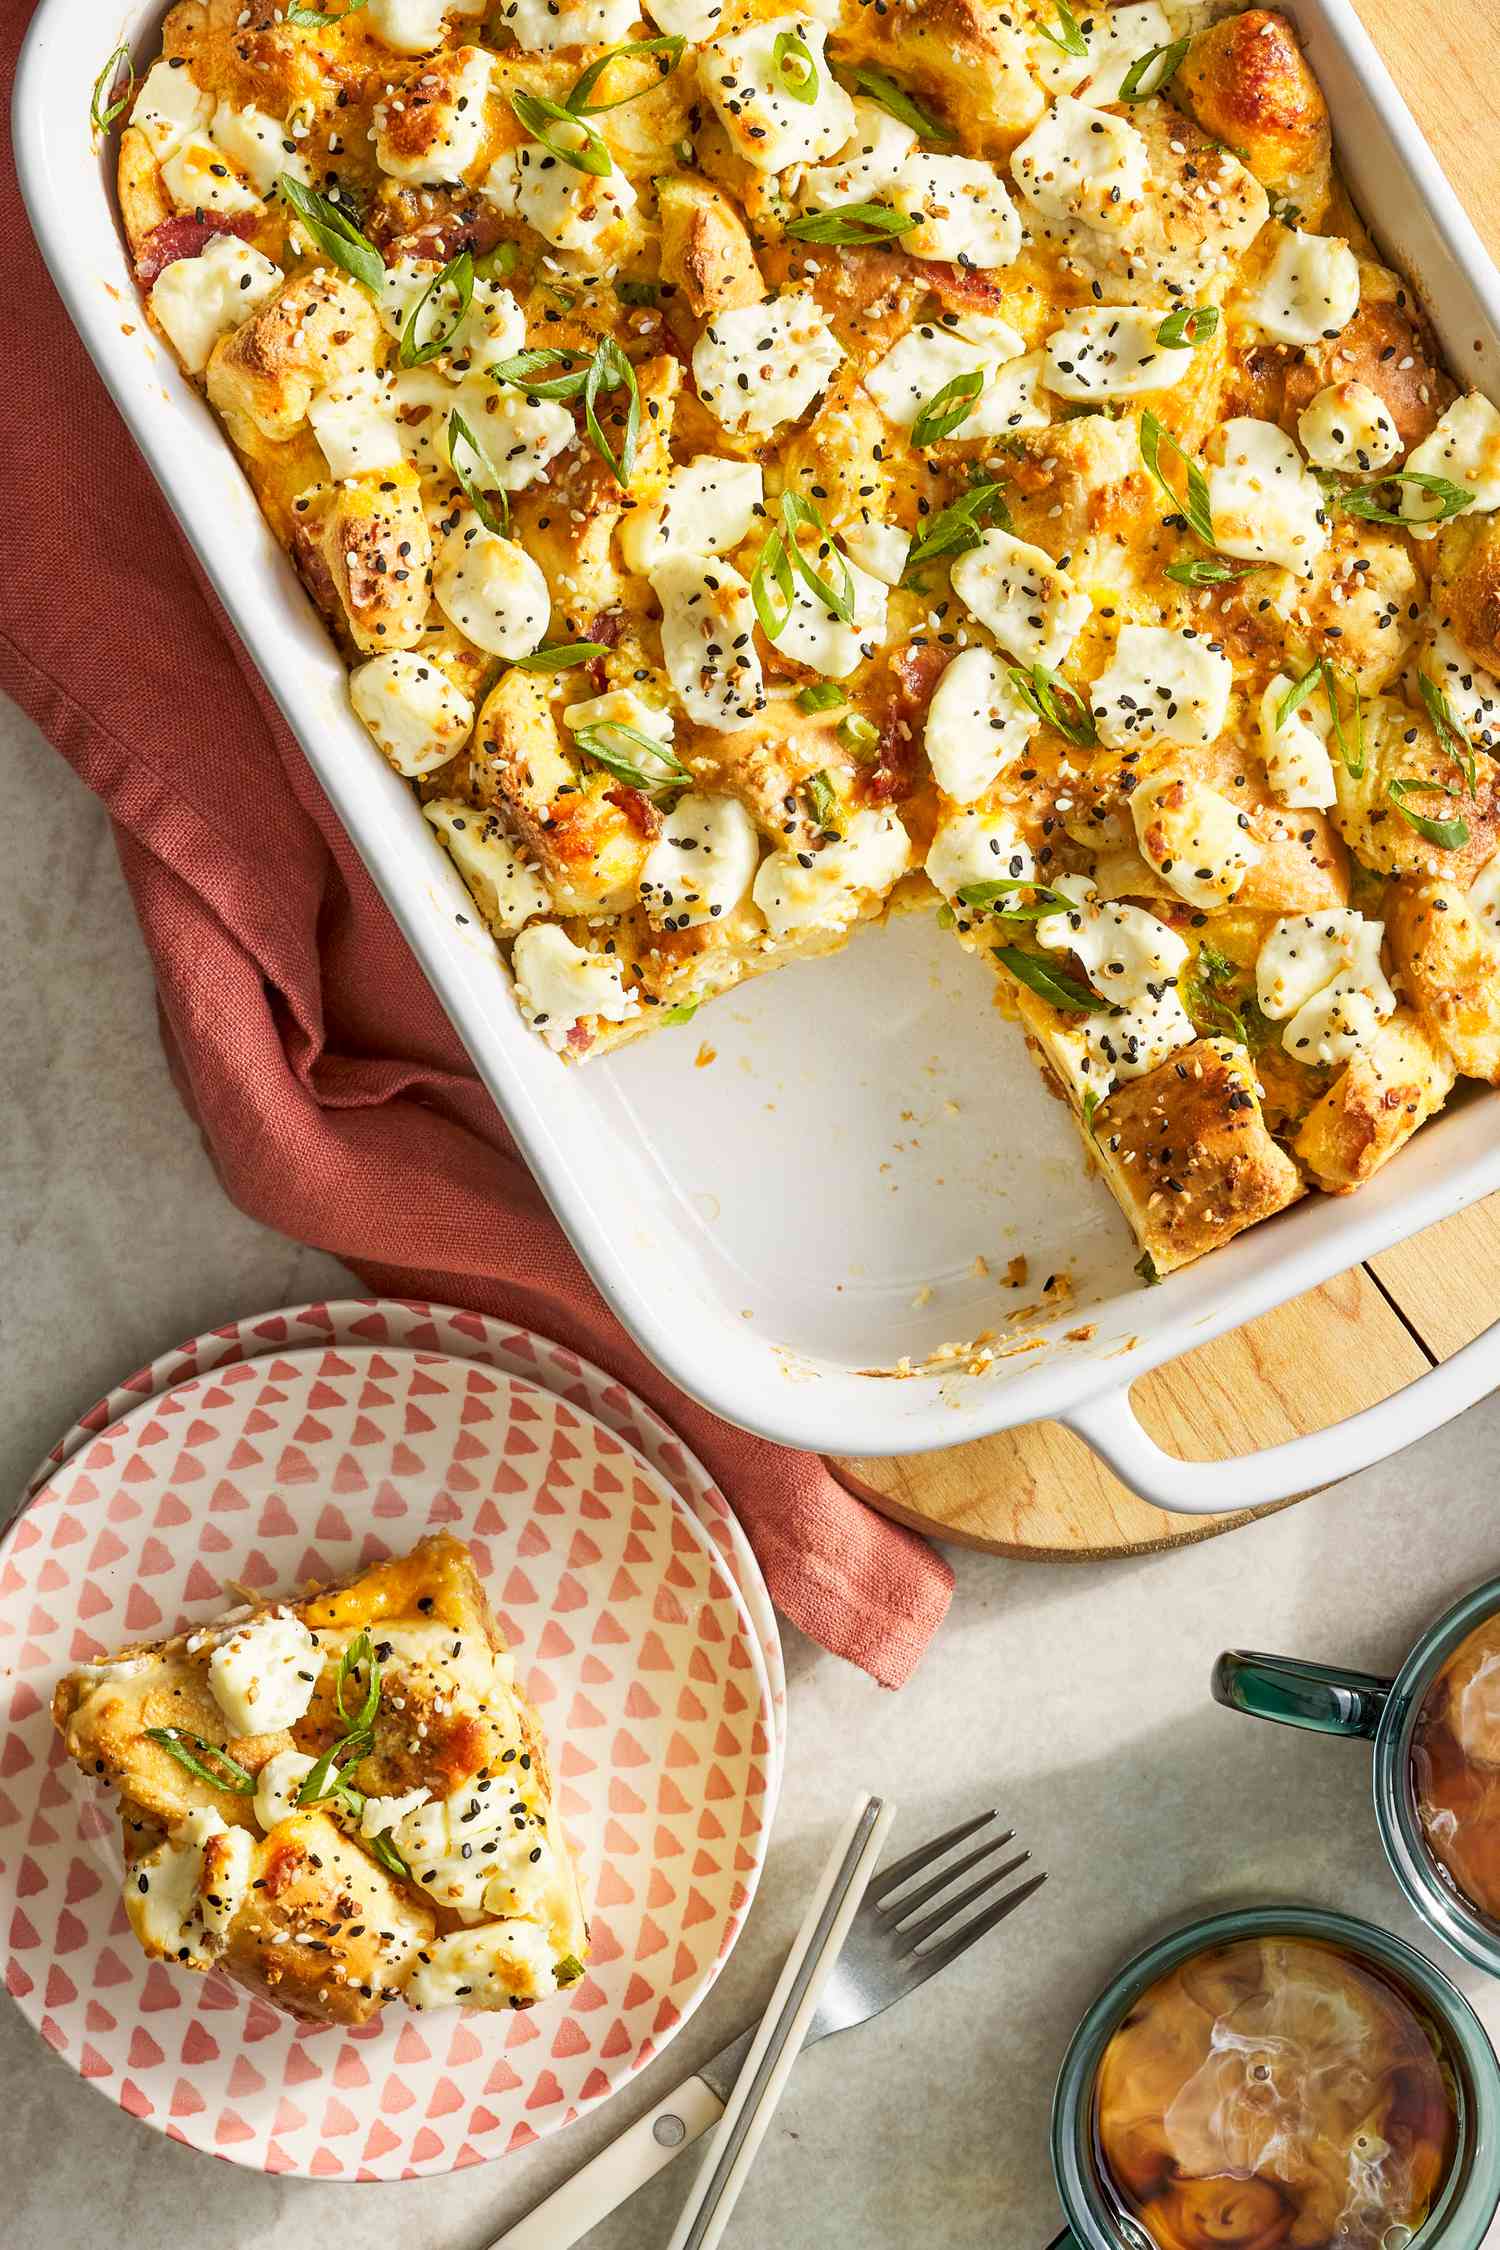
[[1041, 1491]]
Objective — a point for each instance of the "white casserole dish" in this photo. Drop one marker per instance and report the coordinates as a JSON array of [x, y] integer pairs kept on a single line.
[[812, 1204]]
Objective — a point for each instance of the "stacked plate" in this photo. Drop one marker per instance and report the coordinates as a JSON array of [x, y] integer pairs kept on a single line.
[[306, 1444]]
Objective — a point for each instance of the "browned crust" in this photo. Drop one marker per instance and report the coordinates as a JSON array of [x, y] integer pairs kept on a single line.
[[968, 57], [1389, 347], [1375, 1105], [1450, 970], [377, 551], [309, 333], [1303, 865], [143, 201], [1466, 588], [418, 123], [1406, 750], [706, 250], [313, 1935], [1189, 1156], [1247, 81]]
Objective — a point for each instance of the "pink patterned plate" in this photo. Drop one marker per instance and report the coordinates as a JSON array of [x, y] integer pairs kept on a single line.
[[629, 1635], [410, 1324]]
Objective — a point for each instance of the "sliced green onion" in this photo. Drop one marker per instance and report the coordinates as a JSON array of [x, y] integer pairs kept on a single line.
[[360, 1651], [1202, 996], [1145, 1266], [823, 695], [822, 797], [318, 19], [1058, 705], [1199, 513], [334, 231], [476, 491], [1152, 73], [1208, 570], [1352, 753], [326, 1778], [1067, 36], [638, 292], [620, 749], [1298, 693], [578, 103], [457, 275], [609, 370], [1359, 500], [108, 103], [683, 1014], [1321, 674], [522, 367], [1448, 835], [569, 1969], [851, 223], [383, 1850], [797, 515], [771, 587], [1189, 324], [1050, 984], [1046, 901], [497, 264], [559, 656], [957, 528], [1449, 733], [791, 58], [898, 103], [231, 1776], [948, 408], [540, 118], [858, 734]]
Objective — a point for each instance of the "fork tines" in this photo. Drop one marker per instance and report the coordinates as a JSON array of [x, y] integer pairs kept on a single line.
[[911, 1935]]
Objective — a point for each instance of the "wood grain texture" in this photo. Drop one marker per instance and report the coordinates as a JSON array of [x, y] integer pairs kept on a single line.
[[1040, 1491]]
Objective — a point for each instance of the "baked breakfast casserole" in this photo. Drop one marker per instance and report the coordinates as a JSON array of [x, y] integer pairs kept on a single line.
[[339, 1801], [769, 467]]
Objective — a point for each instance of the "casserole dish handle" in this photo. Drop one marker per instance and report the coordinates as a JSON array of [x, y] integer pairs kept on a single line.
[[1108, 1423]]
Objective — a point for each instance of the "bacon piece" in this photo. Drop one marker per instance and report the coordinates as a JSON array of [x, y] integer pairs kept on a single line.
[[606, 629], [915, 672], [184, 237], [423, 223], [961, 288], [1386, 346], [638, 810]]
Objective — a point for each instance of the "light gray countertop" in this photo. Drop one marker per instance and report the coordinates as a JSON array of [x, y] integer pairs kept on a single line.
[[1074, 1698]]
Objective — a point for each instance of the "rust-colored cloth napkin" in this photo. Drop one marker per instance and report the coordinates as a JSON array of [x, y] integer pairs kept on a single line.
[[334, 1095]]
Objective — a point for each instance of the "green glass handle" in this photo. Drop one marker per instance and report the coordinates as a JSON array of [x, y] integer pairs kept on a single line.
[[1325, 1697]]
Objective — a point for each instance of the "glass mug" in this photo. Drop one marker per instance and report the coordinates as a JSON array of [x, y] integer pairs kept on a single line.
[[1339, 2073], [1416, 1758]]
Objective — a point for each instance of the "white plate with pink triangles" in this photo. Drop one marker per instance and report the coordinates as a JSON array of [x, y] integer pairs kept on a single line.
[[629, 1635]]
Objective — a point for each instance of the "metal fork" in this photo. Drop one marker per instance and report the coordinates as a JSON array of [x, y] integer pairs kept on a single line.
[[893, 1946]]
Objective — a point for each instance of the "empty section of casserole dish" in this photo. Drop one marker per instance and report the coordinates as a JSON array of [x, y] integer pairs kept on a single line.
[[767, 469]]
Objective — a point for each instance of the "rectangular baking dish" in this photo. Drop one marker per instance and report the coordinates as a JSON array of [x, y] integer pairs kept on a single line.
[[800, 1200]]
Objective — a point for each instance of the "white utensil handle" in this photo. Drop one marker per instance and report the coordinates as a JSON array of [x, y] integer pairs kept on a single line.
[[636, 2156], [1198, 1488], [775, 2047]]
